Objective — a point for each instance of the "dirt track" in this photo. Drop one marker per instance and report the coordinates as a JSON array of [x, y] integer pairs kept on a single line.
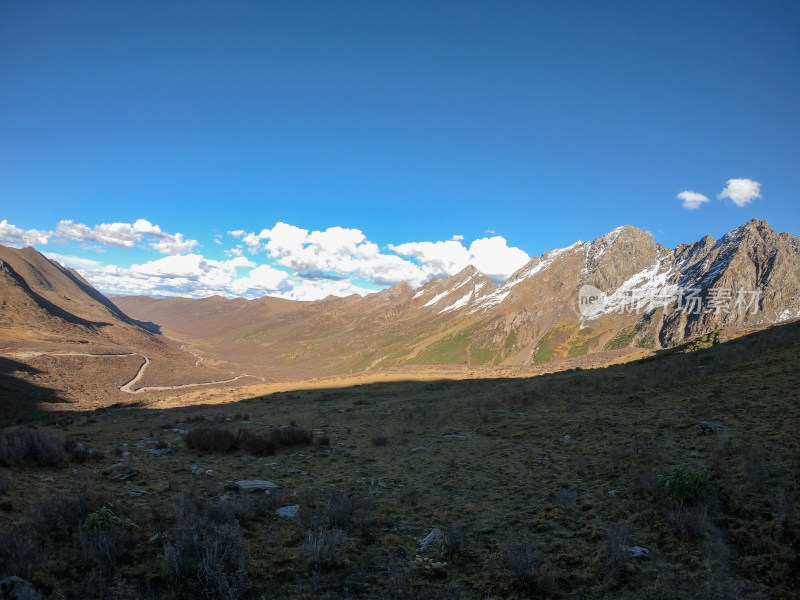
[[139, 374]]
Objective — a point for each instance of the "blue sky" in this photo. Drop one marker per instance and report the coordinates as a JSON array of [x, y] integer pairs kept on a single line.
[[385, 127]]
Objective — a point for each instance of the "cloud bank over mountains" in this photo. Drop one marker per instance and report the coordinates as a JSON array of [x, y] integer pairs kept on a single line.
[[284, 260], [122, 235]]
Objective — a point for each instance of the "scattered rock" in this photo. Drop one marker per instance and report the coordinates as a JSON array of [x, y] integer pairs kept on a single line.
[[456, 436], [420, 449], [137, 492], [255, 485], [17, 588], [429, 567], [120, 472], [159, 451], [290, 512], [146, 442], [425, 542], [382, 484], [566, 439], [709, 427], [178, 431], [639, 552], [295, 470], [612, 492]]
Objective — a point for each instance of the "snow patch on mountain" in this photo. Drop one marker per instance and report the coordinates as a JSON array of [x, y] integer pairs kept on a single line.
[[786, 315], [458, 303], [641, 293], [436, 298]]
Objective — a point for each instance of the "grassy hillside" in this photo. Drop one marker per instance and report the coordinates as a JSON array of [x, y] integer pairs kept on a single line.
[[540, 487]]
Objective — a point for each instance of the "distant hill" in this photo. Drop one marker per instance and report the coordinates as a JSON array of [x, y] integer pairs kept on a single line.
[[63, 341], [621, 290]]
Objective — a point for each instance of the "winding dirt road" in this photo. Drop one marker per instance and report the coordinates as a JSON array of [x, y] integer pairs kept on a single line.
[[140, 373]]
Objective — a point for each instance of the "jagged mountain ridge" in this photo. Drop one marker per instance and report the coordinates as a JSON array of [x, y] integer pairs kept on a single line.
[[533, 317]]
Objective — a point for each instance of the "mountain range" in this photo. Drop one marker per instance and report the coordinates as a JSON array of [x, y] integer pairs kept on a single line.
[[620, 291]]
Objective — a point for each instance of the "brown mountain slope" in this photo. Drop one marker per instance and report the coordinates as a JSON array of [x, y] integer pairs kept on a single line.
[[536, 315], [75, 342]]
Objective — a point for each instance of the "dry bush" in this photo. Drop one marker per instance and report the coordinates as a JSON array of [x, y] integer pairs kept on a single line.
[[293, 436], [453, 540], [691, 520], [257, 445], [218, 439], [566, 498], [205, 551], [59, 513], [80, 452], [324, 548], [616, 540], [339, 509], [104, 546], [523, 560], [29, 444], [210, 439], [20, 553]]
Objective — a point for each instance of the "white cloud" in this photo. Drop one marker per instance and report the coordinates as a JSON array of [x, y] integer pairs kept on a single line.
[[457, 237], [741, 191], [189, 275], [10, 235], [492, 256], [173, 244], [317, 289], [495, 258], [74, 262], [300, 264], [692, 200], [438, 259], [125, 235], [336, 250], [260, 281]]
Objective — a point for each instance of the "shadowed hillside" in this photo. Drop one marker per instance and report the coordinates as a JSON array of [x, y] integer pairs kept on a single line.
[[674, 477]]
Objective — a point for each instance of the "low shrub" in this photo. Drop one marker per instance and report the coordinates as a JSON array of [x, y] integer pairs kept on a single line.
[[30, 444], [293, 436], [453, 540], [205, 552], [210, 439], [218, 439], [339, 509], [59, 513], [686, 486], [323, 547], [80, 452], [257, 445]]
